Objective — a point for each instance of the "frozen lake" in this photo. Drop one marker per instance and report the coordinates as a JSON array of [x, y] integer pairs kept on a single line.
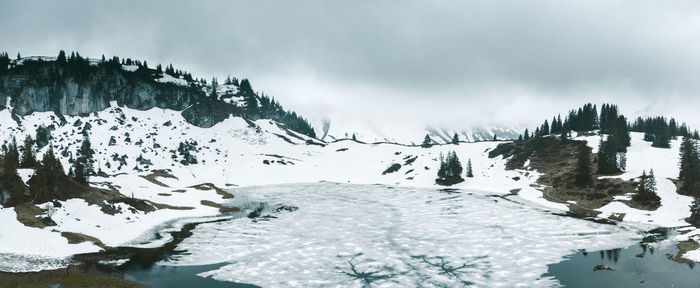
[[355, 235]]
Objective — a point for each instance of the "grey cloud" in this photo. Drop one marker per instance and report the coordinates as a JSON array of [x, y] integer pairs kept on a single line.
[[448, 50]]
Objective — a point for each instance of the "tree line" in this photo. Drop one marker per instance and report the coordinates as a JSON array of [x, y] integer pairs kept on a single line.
[[49, 181]]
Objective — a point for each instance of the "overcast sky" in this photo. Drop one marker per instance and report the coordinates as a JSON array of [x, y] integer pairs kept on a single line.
[[451, 63]]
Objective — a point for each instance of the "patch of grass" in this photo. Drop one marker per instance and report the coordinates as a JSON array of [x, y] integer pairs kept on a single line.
[[75, 238], [210, 186], [27, 214], [222, 208]]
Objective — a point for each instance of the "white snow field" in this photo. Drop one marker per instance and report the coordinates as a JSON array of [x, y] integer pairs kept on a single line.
[[240, 153], [409, 237]]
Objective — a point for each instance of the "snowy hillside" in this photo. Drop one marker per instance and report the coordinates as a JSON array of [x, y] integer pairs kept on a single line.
[[138, 153]]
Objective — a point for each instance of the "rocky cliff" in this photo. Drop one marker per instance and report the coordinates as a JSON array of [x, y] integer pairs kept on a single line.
[[78, 86]]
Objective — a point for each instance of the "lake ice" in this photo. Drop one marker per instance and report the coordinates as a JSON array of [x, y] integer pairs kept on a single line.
[[355, 235]]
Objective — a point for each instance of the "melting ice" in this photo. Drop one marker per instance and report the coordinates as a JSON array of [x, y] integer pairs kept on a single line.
[[371, 235]]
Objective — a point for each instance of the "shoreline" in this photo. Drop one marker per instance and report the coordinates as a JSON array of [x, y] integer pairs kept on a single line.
[[89, 271]]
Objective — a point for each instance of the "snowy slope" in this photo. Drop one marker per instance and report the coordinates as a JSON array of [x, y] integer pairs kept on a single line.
[[236, 152], [642, 157]]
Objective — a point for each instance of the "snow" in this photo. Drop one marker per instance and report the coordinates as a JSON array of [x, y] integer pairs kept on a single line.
[[117, 262], [411, 134], [392, 227], [130, 68], [642, 157], [166, 78], [232, 153], [25, 174], [119, 229], [31, 241]]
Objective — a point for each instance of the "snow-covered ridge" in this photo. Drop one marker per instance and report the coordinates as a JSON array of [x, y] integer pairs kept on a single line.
[[367, 134]]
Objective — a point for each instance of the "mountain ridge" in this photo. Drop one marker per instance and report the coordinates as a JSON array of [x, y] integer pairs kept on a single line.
[[73, 85]]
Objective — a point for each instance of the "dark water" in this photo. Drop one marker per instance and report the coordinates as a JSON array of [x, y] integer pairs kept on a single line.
[[178, 276], [634, 266]]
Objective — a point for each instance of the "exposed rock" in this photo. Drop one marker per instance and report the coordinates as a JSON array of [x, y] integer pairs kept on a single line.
[[393, 168], [603, 267]]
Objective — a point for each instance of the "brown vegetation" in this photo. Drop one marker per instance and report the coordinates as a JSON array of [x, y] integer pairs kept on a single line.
[[557, 160]]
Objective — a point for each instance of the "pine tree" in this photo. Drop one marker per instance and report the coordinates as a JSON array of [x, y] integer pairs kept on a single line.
[[470, 173], [527, 134], [695, 212], [650, 185], [646, 189], [662, 139], [249, 98], [564, 133], [427, 142], [455, 139], [79, 170], [689, 166], [583, 166], [450, 170], [11, 158], [28, 159], [85, 155], [61, 57], [86, 148], [455, 166], [607, 158], [545, 128], [442, 171]]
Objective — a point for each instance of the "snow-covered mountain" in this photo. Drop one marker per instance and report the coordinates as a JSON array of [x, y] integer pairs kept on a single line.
[[369, 133], [181, 146]]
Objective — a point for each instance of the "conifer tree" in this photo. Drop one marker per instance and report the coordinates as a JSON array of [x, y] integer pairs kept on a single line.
[[689, 166], [662, 139], [11, 158], [79, 171], [607, 158], [442, 171], [564, 133], [583, 166], [455, 139], [527, 134], [646, 189], [650, 185], [470, 173], [427, 142], [28, 159], [695, 212], [85, 156], [450, 171], [249, 98], [545, 128], [61, 57]]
